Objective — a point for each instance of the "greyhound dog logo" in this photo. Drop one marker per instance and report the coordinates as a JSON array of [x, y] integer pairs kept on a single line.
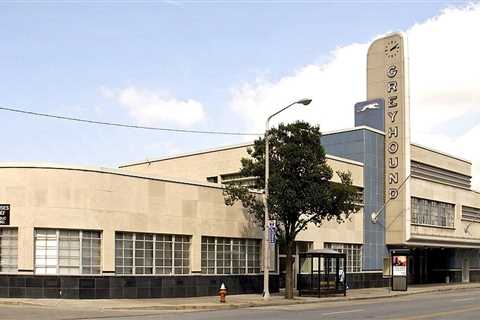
[[370, 106]]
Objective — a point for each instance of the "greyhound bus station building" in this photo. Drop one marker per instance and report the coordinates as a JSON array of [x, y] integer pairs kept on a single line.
[[160, 228]]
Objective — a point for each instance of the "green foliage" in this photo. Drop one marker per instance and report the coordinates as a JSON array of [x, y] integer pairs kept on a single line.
[[301, 190]]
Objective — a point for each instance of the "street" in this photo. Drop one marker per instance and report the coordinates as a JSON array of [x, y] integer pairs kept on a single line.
[[459, 305]]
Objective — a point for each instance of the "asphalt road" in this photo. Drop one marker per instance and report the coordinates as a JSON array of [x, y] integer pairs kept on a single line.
[[458, 305]]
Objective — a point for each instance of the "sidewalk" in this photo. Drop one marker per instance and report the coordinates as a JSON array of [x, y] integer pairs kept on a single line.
[[234, 301]]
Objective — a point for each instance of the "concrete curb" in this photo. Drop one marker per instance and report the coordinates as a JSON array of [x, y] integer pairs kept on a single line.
[[249, 304], [295, 301]]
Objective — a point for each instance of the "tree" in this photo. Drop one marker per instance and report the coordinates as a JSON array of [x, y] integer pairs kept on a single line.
[[301, 190]]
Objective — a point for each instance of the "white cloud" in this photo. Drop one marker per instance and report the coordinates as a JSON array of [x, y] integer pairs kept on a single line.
[[334, 88], [149, 107], [444, 86]]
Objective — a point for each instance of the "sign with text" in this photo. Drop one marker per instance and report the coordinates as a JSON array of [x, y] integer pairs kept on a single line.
[[4, 214], [399, 270], [400, 266], [387, 79], [272, 231]]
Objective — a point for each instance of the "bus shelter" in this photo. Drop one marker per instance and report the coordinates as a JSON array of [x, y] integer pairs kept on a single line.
[[322, 273]]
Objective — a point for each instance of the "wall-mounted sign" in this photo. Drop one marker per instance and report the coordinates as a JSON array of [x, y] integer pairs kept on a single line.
[[4, 214], [272, 231], [370, 113], [399, 266], [387, 79]]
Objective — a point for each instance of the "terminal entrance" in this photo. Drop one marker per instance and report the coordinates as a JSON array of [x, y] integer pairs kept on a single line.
[[437, 265], [420, 264]]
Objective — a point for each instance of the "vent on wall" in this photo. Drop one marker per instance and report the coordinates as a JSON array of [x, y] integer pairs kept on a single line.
[[436, 174], [470, 214]]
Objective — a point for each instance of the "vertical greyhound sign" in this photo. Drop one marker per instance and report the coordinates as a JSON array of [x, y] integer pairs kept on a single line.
[[387, 78]]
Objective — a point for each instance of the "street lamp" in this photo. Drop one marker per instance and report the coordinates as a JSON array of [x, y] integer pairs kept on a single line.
[[266, 253], [375, 214]]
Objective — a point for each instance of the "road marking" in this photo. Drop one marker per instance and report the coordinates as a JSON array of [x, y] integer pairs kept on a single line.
[[464, 299], [339, 312], [438, 314]]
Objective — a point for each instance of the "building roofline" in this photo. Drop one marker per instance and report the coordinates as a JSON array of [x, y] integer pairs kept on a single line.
[[103, 170], [236, 146], [354, 129], [340, 159], [187, 154], [130, 174], [242, 145], [411, 143], [440, 152]]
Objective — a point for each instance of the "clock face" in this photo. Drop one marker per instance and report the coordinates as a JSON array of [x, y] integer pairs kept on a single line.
[[392, 48]]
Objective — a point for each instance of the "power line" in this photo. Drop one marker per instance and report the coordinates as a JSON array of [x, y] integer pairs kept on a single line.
[[123, 125]]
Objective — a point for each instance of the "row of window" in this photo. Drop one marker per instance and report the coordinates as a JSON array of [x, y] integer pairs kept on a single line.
[[67, 252], [471, 214], [79, 252], [230, 256], [142, 253], [434, 213], [353, 253]]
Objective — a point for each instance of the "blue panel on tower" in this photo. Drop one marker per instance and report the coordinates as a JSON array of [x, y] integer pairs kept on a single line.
[[370, 113]]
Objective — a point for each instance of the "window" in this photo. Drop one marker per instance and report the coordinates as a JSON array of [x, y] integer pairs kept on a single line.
[[163, 254], [213, 179], [230, 256], [353, 253], [239, 251], [181, 257], [144, 253], [208, 255], [8, 250], [46, 252], [253, 254], [238, 179], [224, 256], [433, 213], [470, 214], [67, 251], [91, 252], [124, 253], [304, 246]]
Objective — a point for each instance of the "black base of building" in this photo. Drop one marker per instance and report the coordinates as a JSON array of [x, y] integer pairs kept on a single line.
[[116, 287]]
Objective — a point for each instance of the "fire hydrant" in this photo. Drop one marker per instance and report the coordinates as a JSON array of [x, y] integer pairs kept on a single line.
[[222, 293]]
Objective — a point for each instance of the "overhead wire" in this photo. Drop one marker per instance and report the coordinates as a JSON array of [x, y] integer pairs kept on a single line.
[[124, 125]]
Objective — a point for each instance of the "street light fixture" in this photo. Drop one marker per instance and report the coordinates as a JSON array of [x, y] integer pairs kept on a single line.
[[375, 214], [266, 246]]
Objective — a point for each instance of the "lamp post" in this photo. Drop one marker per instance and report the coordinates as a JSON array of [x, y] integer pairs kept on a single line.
[[375, 214], [266, 255]]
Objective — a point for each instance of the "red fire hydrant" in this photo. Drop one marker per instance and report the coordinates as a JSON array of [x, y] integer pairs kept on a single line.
[[222, 293]]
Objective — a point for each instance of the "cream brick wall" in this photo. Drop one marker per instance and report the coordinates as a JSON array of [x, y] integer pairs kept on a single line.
[[440, 160], [199, 166], [116, 200], [447, 236]]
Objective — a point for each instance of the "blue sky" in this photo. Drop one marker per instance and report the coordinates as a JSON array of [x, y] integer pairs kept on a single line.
[[102, 60]]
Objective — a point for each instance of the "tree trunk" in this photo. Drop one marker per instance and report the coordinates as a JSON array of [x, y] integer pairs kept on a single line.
[[289, 275]]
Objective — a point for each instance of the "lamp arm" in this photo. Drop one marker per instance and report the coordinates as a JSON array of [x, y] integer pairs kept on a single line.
[[375, 214]]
